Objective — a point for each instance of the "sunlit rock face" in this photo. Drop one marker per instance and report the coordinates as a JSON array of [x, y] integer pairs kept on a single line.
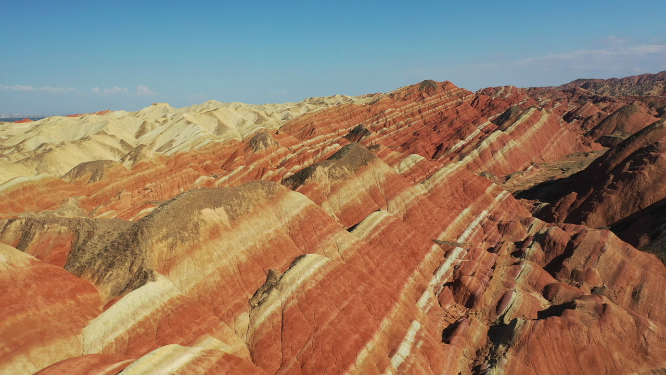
[[360, 235]]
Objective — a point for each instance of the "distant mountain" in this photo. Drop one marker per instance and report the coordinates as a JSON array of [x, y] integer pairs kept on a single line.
[[55, 145], [641, 85], [12, 117]]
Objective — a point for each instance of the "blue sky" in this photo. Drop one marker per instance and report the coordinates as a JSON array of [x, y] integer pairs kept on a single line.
[[82, 56]]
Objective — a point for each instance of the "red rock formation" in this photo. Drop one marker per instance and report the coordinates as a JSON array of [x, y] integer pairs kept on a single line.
[[43, 311], [530, 136], [620, 124], [645, 229], [361, 238], [23, 121], [577, 106], [644, 84], [626, 179]]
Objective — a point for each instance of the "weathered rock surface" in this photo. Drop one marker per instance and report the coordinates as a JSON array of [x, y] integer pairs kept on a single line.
[[43, 311], [367, 235], [645, 229], [627, 178], [620, 124]]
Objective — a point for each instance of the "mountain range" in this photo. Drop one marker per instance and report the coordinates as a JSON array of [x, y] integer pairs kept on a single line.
[[426, 230]]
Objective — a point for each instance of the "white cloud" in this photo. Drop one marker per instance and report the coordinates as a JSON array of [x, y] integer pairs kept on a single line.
[[144, 91], [618, 52], [111, 91], [36, 89], [618, 58], [17, 88], [141, 90], [613, 40], [56, 89]]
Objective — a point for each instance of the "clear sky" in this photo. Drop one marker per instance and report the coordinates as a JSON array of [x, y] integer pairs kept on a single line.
[[59, 57]]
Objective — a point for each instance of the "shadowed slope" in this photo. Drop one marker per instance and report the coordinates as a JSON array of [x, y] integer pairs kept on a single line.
[[626, 179]]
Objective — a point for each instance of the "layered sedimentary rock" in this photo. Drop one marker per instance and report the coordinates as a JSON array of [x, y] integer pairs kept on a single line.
[[175, 359], [644, 84], [366, 235], [626, 179], [579, 107], [43, 312], [621, 124], [416, 129], [443, 122], [54, 145]]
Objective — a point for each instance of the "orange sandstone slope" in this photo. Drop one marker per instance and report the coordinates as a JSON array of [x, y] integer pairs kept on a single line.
[[357, 238]]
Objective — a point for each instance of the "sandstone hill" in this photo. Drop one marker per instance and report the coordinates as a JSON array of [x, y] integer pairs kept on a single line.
[[427, 230], [54, 145]]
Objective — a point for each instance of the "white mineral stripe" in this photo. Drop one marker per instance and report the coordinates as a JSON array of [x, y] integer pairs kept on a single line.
[[405, 348]]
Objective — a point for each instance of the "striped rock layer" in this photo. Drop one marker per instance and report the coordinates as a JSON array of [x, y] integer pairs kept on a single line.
[[357, 239], [627, 178]]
